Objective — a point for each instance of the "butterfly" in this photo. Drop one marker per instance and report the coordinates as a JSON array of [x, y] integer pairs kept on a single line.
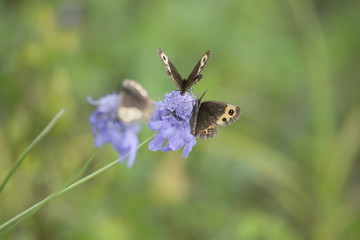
[[135, 104], [194, 77], [207, 116]]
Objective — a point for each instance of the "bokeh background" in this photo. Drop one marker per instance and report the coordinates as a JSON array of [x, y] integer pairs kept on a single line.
[[288, 169]]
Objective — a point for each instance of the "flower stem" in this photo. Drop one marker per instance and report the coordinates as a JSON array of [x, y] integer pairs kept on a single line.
[[21, 216], [37, 206], [29, 148]]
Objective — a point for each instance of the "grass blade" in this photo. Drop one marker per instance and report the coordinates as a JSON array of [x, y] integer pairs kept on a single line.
[[29, 148], [5, 227]]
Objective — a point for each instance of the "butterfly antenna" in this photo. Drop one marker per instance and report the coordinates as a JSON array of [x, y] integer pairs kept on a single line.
[[203, 95]]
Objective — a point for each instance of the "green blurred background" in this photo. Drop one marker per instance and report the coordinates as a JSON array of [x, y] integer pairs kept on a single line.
[[288, 169]]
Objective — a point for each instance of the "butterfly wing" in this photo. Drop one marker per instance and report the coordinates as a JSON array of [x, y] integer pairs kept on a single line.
[[171, 70], [135, 102], [201, 124], [195, 75], [210, 114]]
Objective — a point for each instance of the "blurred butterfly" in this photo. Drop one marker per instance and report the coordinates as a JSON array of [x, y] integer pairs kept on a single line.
[[194, 77], [135, 102], [208, 115]]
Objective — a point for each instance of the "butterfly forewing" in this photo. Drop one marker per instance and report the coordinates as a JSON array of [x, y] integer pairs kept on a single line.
[[222, 113], [195, 75], [171, 70], [210, 114]]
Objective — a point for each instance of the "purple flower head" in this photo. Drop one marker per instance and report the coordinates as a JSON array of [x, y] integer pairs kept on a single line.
[[171, 121], [107, 128]]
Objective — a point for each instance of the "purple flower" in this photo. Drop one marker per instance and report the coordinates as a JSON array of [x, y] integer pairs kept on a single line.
[[107, 128], [171, 121]]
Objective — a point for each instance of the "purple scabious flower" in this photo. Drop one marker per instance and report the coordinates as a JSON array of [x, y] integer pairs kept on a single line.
[[171, 121], [107, 128]]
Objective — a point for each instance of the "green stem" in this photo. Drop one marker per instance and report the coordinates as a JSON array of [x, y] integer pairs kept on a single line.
[[52, 196], [82, 169], [63, 190], [29, 148]]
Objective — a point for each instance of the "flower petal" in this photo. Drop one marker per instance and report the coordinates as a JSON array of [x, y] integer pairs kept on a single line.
[[155, 125], [156, 143], [166, 148], [107, 103], [133, 149], [187, 149], [176, 142]]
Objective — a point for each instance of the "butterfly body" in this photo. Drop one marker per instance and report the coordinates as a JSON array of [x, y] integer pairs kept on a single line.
[[194, 77], [135, 104], [206, 116]]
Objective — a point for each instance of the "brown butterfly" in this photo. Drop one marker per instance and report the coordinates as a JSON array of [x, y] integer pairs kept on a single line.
[[194, 77], [208, 115], [135, 104]]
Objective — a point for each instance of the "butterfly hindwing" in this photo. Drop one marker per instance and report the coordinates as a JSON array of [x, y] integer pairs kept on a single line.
[[208, 115], [135, 102]]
